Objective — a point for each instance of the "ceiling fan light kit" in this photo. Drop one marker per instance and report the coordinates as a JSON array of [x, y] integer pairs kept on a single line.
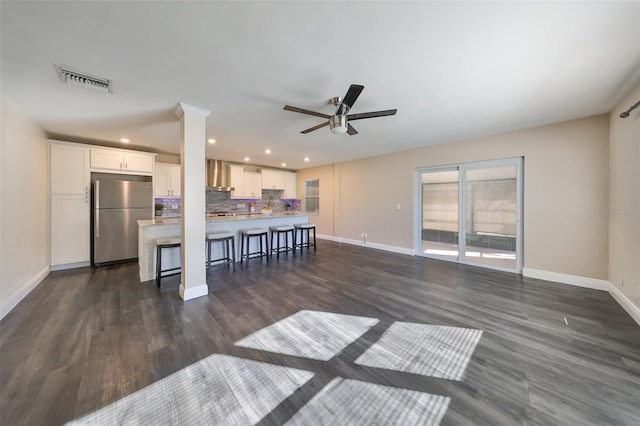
[[339, 122]]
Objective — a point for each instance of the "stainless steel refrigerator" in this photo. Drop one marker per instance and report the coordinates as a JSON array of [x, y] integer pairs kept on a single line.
[[118, 205]]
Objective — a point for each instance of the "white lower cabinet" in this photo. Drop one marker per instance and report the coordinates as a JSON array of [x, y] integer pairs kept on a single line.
[[69, 229]]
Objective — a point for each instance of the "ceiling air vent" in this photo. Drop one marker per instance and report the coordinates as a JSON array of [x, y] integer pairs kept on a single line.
[[82, 79]]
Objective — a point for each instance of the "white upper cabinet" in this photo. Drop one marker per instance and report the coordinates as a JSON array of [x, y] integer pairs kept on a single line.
[[236, 180], [138, 162], [290, 186], [277, 179], [69, 169], [245, 184], [252, 185], [166, 180], [272, 179], [122, 161]]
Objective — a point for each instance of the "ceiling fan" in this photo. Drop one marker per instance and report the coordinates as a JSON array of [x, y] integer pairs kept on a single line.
[[339, 122]]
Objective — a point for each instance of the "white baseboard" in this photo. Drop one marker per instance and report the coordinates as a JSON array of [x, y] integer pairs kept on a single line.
[[69, 266], [575, 280], [146, 277], [13, 301], [193, 292], [592, 283], [626, 303], [385, 247]]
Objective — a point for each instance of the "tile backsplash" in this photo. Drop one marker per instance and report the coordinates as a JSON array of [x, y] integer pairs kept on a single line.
[[221, 202], [167, 207]]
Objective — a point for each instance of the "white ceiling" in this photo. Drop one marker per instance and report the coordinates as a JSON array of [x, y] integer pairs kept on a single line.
[[454, 70]]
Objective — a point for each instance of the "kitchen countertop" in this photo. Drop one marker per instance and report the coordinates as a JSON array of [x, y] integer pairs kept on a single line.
[[237, 217], [150, 230]]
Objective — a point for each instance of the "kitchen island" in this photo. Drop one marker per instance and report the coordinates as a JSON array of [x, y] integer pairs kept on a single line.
[[151, 229]]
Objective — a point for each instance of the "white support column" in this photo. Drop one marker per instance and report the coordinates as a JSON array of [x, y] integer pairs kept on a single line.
[[193, 225]]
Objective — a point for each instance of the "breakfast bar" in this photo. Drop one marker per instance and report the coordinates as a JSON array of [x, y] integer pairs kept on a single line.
[[151, 229]]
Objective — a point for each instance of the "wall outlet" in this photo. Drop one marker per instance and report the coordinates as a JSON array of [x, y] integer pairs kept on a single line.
[[398, 206]]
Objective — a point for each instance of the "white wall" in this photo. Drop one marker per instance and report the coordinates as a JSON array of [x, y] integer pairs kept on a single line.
[[624, 200], [566, 175], [24, 210]]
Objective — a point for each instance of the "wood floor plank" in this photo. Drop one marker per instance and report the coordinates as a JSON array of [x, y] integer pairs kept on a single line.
[[86, 338]]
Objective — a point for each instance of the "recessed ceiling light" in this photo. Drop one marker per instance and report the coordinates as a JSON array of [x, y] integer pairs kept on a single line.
[[211, 141], [284, 164], [125, 140], [247, 158], [267, 151], [306, 158]]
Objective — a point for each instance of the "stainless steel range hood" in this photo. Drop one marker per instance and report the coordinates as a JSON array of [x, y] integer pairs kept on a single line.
[[216, 177]]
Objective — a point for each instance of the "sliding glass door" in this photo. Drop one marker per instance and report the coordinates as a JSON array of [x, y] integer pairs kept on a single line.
[[479, 201], [439, 216]]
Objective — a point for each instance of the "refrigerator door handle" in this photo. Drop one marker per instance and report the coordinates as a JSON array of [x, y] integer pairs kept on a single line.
[[97, 223], [97, 194]]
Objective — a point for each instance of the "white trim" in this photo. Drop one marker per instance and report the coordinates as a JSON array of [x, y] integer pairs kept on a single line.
[[327, 237], [17, 297], [147, 277], [64, 266], [193, 292], [592, 283], [626, 303], [183, 108], [385, 247]]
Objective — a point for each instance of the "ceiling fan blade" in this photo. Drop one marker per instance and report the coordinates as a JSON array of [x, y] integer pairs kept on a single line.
[[351, 130], [319, 126], [352, 94], [372, 114], [306, 111]]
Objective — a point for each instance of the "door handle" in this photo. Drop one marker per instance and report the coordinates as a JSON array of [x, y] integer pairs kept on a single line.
[[97, 223], [97, 207], [86, 194]]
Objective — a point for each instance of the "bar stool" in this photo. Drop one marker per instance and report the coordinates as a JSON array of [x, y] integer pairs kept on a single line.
[[247, 234], [304, 228], [279, 230], [165, 243], [228, 248]]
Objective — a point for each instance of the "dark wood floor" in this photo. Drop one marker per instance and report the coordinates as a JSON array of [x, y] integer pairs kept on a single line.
[[87, 337]]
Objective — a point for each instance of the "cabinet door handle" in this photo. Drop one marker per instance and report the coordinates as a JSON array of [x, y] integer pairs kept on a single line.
[[120, 165], [126, 166]]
